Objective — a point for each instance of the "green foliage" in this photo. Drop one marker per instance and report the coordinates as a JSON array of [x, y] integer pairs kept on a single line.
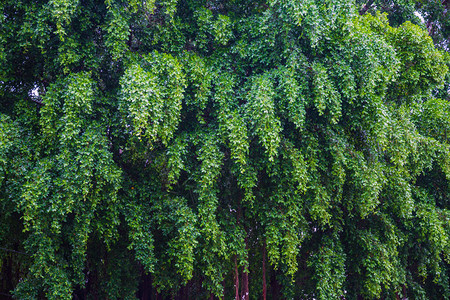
[[261, 114], [329, 268], [159, 146], [151, 96]]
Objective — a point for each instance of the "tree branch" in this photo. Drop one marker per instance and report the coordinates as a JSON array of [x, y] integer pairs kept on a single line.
[[366, 7], [37, 100], [14, 251]]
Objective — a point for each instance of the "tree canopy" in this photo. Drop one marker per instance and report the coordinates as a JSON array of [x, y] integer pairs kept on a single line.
[[208, 149]]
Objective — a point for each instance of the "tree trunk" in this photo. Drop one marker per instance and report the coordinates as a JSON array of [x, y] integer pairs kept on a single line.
[[236, 278], [146, 287], [8, 284], [186, 291], [264, 291], [275, 286], [223, 288], [245, 295]]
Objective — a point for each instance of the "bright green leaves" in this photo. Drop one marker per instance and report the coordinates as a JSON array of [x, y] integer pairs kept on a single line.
[[151, 97], [71, 191], [176, 152], [69, 53], [35, 192], [118, 33], [325, 94], [217, 28], [261, 114], [237, 138], [285, 231], [170, 7], [373, 252], [284, 217], [320, 20], [368, 180], [78, 100], [63, 11], [178, 224], [8, 136], [182, 248], [211, 158], [204, 20], [291, 94], [68, 103], [431, 229], [320, 203], [273, 241], [403, 137], [135, 5], [238, 141], [141, 239], [198, 82], [173, 223], [212, 238], [234, 130], [369, 38], [291, 246], [141, 102], [398, 190], [379, 257], [299, 169], [225, 94], [435, 119], [258, 42], [222, 30], [42, 216], [422, 66], [328, 263]]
